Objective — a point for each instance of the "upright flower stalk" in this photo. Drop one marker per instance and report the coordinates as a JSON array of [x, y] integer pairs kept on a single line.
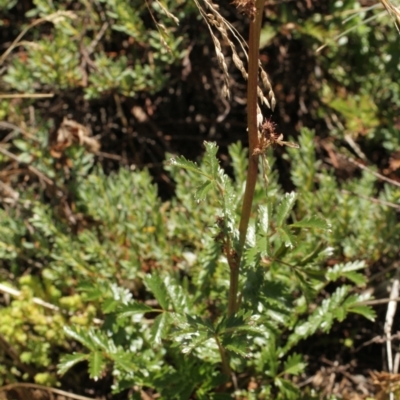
[[252, 128]]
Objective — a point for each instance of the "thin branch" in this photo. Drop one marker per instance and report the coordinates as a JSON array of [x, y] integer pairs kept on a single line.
[[39, 174], [379, 301], [391, 311], [45, 389], [96, 40], [373, 199], [376, 174], [8, 125], [27, 96], [226, 369], [377, 339]]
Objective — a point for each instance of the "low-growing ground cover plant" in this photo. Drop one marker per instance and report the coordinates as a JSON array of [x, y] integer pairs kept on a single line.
[[209, 294]]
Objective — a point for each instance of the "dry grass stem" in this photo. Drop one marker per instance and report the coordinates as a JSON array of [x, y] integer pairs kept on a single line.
[[26, 96], [30, 391], [393, 11], [167, 13], [217, 23]]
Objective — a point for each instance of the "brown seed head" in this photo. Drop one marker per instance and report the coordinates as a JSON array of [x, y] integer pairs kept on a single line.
[[247, 7]]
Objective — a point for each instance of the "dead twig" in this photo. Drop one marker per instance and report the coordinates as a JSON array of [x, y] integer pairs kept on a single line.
[[373, 199], [377, 339], [379, 301], [34, 170], [26, 96], [365, 168], [391, 311], [8, 125], [67, 395]]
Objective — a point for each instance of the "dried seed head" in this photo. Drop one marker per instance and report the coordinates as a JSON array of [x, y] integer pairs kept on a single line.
[[225, 91], [265, 80], [239, 64], [267, 85], [268, 128], [247, 7], [259, 116], [273, 102], [266, 102]]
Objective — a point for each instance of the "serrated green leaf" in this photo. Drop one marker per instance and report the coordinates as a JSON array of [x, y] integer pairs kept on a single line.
[[160, 327], [340, 314], [79, 335], [314, 222], [69, 360], [179, 300], [264, 219], [99, 339], [294, 365], [238, 347], [189, 341], [182, 162], [322, 318], [96, 365], [286, 236], [306, 287], [348, 271], [109, 305], [364, 310], [203, 189], [124, 361], [315, 253], [355, 277], [133, 309], [239, 162], [353, 266], [269, 356], [232, 322], [284, 208], [288, 390], [210, 159], [155, 284], [198, 324]]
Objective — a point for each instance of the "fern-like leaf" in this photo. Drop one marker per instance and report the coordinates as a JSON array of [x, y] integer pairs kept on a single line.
[[313, 222], [69, 360], [284, 208], [96, 365]]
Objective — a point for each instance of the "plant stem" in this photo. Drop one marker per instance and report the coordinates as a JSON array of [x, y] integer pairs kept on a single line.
[[252, 170], [226, 369], [234, 264], [252, 127]]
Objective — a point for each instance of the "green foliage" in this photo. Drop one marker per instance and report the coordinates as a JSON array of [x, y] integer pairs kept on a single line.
[[140, 285], [165, 321], [171, 325], [62, 58], [357, 219]]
